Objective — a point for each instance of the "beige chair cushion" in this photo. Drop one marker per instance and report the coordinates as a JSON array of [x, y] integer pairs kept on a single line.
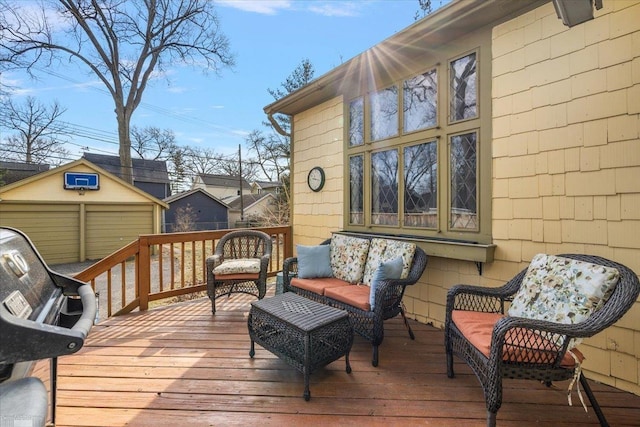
[[238, 266]]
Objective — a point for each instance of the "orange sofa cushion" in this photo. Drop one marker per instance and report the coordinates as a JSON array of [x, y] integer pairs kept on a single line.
[[318, 285], [477, 327], [354, 295]]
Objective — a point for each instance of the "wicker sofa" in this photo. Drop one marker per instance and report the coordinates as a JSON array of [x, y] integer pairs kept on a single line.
[[355, 265]]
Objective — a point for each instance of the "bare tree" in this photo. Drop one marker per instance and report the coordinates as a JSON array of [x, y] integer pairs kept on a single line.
[[37, 132], [153, 143], [122, 42], [272, 149], [185, 219]]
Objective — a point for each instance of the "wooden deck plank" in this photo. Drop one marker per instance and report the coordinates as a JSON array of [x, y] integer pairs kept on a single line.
[[179, 365]]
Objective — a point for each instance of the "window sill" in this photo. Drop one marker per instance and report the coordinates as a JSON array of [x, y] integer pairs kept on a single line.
[[453, 249]]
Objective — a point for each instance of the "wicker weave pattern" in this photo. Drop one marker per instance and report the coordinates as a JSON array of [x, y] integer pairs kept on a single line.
[[303, 333], [540, 366], [234, 245], [368, 324]]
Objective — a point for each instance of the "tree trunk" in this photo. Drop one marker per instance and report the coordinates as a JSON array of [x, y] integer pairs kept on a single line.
[[126, 164]]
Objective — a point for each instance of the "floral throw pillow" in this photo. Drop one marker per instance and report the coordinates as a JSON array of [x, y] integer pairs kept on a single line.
[[562, 290], [348, 256]]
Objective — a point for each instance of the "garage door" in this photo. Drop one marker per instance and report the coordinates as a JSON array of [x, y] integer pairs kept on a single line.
[[53, 229], [110, 227]]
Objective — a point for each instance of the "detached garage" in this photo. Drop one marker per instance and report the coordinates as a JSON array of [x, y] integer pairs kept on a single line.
[[79, 212]]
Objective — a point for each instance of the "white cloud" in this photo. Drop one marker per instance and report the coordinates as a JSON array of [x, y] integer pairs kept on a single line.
[[265, 7], [177, 89], [320, 7], [336, 8]]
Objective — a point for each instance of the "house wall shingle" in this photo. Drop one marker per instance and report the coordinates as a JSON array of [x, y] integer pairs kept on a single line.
[[583, 113], [318, 142]]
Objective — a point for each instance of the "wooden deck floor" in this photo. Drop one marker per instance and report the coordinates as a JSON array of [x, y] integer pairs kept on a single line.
[[181, 366]]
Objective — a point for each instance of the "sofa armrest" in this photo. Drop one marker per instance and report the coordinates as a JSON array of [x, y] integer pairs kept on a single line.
[[289, 271]]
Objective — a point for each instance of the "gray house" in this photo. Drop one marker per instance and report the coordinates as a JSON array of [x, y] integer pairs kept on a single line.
[[11, 172], [150, 176], [222, 186], [196, 208]]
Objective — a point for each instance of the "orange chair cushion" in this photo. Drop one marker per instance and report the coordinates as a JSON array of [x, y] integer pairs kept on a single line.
[[477, 328], [318, 285], [238, 276], [354, 295]]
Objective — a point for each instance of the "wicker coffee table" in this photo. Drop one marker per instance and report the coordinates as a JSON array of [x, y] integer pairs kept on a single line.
[[303, 333]]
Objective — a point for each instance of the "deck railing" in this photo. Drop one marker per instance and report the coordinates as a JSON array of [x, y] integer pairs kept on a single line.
[[167, 266]]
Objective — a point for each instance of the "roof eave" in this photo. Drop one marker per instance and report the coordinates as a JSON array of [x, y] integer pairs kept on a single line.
[[451, 21]]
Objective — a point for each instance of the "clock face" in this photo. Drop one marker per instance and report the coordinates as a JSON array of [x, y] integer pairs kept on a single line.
[[315, 180]]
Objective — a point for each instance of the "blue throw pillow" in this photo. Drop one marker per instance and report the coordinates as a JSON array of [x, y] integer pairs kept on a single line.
[[314, 261], [385, 271]]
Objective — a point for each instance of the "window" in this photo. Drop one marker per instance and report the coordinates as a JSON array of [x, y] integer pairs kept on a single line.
[[414, 155], [464, 97], [464, 211], [356, 180], [384, 113], [384, 187], [356, 122], [420, 101], [421, 185]]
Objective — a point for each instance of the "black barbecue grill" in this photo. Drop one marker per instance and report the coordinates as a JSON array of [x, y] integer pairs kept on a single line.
[[43, 315]]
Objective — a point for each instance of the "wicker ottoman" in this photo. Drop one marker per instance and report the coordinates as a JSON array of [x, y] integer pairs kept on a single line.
[[303, 333]]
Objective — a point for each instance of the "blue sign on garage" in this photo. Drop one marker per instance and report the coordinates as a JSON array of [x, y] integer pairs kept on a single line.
[[81, 181]]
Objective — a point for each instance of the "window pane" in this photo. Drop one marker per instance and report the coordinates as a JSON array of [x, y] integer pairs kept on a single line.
[[464, 213], [464, 94], [384, 188], [356, 178], [420, 96], [384, 113], [356, 122], [421, 185]]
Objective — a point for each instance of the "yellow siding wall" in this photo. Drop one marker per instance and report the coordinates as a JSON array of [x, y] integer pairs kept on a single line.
[[318, 142], [566, 155], [51, 189]]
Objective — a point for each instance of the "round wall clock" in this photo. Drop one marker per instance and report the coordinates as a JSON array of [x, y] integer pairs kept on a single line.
[[315, 179]]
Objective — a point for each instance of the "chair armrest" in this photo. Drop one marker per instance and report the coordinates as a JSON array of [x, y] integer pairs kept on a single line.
[[534, 335], [264, 265], [481, 298], [213, 261], [290, 265]]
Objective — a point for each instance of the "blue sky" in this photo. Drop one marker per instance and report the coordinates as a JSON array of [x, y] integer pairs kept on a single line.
[[269, 38]]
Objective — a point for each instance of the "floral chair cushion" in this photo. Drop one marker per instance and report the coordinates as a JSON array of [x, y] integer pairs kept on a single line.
[[237, 266], [348, 257], [562, 290]]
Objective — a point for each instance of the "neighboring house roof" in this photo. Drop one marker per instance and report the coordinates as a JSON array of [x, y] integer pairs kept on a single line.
[[143, 170], [184, 194], [393, 58], [228, 181], [267, 185], [248, 200], [16, 171], [72, 165]]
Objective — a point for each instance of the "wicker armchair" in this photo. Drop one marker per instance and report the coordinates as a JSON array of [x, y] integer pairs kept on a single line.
[[246, 253], [532, 363]]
